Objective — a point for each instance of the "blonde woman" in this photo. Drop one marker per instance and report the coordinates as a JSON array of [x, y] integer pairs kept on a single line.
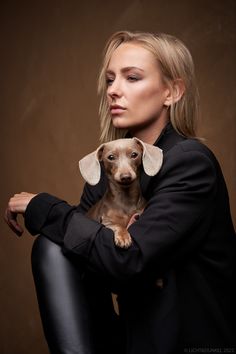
[[185, 235]]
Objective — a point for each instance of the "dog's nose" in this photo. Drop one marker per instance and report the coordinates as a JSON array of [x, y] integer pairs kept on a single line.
[[126, 178]]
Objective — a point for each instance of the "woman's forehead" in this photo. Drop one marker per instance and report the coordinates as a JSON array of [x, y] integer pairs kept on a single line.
[[131, 55]]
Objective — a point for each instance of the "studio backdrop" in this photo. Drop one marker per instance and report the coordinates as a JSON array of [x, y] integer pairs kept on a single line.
[[50, 57]]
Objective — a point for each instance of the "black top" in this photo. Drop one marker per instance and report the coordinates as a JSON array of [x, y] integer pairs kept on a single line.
[[185, 233]]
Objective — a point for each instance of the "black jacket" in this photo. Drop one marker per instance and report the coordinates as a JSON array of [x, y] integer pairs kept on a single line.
[[185, 235]]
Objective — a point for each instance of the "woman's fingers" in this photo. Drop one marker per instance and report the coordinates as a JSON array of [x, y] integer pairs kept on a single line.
[[133, 218], [11, 220], [17, 205]]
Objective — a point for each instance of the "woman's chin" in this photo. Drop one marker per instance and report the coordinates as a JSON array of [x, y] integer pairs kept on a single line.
[[119, 122]]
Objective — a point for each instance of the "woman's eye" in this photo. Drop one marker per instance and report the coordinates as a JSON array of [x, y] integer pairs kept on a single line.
[[134, 155], [109, 81], [111, 157], [132, 78]]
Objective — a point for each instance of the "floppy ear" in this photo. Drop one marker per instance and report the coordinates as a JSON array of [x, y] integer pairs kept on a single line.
[[90, 167], [152, 158]]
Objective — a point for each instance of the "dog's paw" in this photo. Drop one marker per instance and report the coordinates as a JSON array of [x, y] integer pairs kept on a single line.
[[123, 241]]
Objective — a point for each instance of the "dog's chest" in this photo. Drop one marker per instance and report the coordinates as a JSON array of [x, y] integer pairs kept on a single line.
[[120, 211]]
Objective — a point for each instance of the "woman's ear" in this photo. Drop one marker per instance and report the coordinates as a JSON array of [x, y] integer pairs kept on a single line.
[[176, 91]]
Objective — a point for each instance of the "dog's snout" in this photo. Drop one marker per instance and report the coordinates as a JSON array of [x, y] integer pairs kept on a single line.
[[126, 178]]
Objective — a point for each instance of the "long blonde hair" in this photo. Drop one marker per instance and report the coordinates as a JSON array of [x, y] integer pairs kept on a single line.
[[175, 62]]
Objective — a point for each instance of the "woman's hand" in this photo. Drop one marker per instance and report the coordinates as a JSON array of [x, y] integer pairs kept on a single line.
[[17, 205], [133, 218]]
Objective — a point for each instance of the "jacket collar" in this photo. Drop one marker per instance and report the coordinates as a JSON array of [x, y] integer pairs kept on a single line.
[[166, 140]]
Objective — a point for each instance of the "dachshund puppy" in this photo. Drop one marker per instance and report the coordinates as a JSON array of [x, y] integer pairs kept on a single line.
[[122, 160]]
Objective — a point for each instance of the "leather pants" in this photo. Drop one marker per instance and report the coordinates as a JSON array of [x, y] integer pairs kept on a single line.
[[76, 311]]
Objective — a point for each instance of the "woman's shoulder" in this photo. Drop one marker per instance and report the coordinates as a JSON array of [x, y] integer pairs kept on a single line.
[[174, 144], [194, 147], [190, 154]]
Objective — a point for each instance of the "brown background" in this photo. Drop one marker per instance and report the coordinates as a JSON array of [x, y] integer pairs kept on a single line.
[[49, 59]]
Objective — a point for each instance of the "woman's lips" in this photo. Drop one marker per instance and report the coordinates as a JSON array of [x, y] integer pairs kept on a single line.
[[117, 109]]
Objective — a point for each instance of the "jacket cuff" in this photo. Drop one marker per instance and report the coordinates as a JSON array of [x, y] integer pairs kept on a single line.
[[38, 210]]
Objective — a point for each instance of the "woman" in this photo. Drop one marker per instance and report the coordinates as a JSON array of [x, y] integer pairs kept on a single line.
[[184, 236]]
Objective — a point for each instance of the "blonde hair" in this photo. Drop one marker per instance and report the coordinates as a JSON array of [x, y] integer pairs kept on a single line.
[[175, 62]]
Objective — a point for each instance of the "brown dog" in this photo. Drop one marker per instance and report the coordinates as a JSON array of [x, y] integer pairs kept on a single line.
[[122, 160]]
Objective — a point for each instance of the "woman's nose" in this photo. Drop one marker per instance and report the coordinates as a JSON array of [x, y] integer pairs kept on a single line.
[[114, 90]]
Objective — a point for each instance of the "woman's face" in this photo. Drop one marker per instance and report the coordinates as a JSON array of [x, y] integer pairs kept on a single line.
[[136, 92]]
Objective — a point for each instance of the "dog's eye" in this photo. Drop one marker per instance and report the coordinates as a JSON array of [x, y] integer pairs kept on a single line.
[[111, 157], [133, 155]]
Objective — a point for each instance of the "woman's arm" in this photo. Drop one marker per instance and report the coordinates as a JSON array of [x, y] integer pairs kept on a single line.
[[182, 200], [43, 211]]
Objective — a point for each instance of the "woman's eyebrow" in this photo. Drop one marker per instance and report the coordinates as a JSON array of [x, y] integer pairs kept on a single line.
[[125, 69]]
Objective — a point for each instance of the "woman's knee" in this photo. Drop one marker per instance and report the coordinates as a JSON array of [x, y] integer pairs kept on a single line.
[[44, 254], [50, 265]]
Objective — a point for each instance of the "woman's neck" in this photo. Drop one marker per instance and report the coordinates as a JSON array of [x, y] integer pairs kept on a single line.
[[150, 133]]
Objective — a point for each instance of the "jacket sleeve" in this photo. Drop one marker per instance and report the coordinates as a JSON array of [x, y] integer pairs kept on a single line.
[[181, 203], [172, 225], [49, 215]]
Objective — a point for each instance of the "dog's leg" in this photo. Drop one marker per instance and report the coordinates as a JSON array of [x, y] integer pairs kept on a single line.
[[122, 237]]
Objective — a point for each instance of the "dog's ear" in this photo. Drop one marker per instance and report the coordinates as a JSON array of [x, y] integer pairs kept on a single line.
[[90, 167], [152, 158]]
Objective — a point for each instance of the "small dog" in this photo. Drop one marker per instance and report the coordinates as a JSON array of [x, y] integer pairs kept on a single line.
[[122, 159]]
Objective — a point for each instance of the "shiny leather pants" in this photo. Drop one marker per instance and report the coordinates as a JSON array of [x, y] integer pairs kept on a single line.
[[77, 313]]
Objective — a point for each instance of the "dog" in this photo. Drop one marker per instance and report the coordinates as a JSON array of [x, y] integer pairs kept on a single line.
[[122, 160]]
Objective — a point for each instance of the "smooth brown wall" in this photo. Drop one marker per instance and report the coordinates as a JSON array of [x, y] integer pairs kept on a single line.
[[50, 56]]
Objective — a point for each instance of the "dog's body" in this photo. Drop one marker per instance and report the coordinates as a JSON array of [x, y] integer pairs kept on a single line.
[[117, 206], [123, 199]]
